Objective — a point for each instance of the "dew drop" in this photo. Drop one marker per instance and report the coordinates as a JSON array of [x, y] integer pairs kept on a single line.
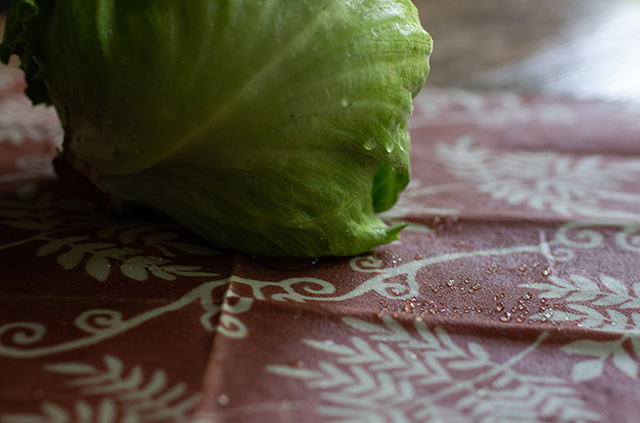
[[369, 145], [451, 282], [547, 314], [505, 317], [223, 399], [481, 393]]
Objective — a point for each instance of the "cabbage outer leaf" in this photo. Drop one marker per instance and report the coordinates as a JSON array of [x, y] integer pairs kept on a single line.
[[273, 127]]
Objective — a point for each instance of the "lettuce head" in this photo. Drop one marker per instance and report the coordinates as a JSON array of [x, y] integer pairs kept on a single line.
[[272, 127]]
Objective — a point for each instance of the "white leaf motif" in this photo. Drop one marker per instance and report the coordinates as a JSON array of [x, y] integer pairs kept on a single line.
[[294, 372], [107, 411], [72, 368], [98, 267], [364, 326], [70, 259], [584, 284], [626, 364], [49, 248], [614, 285], [331, 346], [587, 370]]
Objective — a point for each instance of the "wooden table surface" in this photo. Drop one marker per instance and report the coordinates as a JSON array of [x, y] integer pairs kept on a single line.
[[583, 48]]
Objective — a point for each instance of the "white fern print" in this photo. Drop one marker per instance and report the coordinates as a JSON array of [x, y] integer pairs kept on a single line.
[[609, 306], [106, 411], [124, 396], [397, 375], [586, 186], [53, 224]]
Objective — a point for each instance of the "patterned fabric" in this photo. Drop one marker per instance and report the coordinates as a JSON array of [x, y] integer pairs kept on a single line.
[[513, 294]]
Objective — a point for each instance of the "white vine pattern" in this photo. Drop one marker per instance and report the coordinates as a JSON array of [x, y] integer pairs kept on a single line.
[[401, 281], [125, 396], [22, 339], [393, 374], [397, 282]]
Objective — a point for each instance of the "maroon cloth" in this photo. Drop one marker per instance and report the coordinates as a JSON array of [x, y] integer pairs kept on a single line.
[[513, 295]]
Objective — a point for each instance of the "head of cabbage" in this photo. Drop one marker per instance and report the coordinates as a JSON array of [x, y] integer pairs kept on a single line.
[[272, 127]]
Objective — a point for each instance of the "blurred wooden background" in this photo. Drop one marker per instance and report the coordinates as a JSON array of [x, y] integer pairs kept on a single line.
[[584, 48]]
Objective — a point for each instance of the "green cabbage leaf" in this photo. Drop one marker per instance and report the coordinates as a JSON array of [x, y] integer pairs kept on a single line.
[[272, 127]]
